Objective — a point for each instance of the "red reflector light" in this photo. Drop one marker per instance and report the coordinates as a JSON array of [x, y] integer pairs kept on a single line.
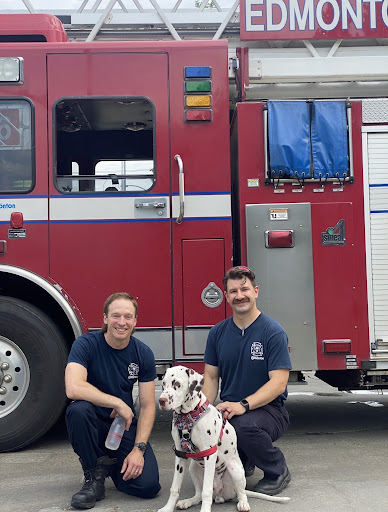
[[16, 220], [337, 346], [277, 238], [198, 115]]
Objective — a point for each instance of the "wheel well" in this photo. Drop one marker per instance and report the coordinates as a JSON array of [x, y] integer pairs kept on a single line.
[[344, 380], [20, 288]]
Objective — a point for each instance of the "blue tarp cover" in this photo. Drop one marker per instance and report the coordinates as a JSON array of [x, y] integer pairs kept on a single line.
[[289, 137], [308, 137], [329, 139]]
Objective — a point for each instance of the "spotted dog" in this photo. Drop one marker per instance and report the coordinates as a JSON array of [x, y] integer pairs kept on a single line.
[[201, 434]]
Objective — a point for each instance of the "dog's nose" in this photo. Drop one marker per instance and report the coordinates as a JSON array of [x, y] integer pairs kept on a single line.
[[162, 401]]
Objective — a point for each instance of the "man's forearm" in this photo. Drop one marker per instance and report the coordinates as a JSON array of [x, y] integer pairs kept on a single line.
[[88, 392], [145, 423], [263, 396], [269, 391], [210, 389]]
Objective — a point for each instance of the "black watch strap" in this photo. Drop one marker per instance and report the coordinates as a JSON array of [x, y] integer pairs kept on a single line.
[[141, 446], [245, 404]]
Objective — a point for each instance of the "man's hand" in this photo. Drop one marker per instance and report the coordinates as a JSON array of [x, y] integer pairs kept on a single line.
[[230, 409], [125, 412], [133, 464]]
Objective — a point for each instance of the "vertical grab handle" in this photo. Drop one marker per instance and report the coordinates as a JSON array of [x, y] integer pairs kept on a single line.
[[181, 190]]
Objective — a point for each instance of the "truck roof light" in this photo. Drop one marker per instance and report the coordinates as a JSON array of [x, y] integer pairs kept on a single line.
[[16, 220], [198, 72], [11, 70], [337, 346], [198, 101], [279, 238]]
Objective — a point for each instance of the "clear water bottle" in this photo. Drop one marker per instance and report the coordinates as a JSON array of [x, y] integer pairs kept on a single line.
[[115, 433]]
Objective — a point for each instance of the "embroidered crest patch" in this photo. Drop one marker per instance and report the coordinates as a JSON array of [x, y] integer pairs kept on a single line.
[[257, 350], [133, 371]]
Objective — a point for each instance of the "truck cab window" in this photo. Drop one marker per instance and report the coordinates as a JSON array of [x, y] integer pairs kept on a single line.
[[104, 145], [16, 153]]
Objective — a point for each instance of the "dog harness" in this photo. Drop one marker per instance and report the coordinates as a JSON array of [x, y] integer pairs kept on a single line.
[[184, 423]]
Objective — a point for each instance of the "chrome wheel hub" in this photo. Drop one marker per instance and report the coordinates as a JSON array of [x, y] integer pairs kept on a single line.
[[14, 376]]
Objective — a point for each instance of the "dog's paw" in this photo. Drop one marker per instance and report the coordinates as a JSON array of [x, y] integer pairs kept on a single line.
[[219, 499], [184, 504], [243, 506]]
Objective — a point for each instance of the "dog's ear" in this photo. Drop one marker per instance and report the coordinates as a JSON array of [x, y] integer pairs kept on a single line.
[[195, 381]]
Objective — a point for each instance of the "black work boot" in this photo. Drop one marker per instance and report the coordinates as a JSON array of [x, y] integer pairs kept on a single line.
[[273, 486], [94, 485]]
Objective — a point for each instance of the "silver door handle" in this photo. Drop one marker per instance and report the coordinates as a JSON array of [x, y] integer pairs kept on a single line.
[[181, 189], [150, 205]]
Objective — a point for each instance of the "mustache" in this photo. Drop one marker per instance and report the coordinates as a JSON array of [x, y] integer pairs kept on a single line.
[[240, 301]]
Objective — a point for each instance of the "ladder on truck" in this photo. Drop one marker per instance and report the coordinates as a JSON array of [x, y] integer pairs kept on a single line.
[[275, 69]]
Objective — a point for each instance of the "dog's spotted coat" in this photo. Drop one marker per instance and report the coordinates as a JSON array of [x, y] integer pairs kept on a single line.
[[181, 392]]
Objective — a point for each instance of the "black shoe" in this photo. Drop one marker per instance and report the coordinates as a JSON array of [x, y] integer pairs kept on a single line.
[[249, 470], [94, 485], [91, 492], [273, 486]]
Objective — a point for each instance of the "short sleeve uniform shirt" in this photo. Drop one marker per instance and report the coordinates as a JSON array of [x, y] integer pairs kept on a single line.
[[113, 371], [245, 357]]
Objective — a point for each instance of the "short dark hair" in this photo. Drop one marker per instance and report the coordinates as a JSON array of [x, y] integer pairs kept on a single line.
[[116, 296], [239, 272]]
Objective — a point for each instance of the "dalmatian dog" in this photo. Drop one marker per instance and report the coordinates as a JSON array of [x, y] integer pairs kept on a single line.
[[202, 435]]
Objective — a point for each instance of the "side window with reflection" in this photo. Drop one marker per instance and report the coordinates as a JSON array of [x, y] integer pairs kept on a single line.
[[104, 145], [16, 149]]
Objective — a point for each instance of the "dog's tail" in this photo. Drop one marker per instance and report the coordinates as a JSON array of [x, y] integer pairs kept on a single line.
[[267, 497]]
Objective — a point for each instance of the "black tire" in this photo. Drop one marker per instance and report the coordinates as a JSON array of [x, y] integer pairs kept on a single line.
[[33, 356]]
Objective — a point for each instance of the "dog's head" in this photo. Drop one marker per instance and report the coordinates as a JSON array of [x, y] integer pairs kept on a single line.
[[181, 389]]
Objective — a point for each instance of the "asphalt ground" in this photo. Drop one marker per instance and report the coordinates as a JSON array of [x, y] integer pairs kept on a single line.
[[336, 449]]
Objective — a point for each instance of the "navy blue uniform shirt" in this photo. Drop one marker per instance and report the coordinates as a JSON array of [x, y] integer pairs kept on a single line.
[[245, 357], [111, 370]]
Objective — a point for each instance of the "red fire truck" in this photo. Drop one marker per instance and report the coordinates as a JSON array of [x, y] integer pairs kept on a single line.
[[116, 174]]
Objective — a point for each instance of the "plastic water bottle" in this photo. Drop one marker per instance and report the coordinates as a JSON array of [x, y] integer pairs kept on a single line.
[[115, 433]]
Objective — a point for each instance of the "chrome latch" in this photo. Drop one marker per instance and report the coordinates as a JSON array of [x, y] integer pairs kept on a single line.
[[150, 205]]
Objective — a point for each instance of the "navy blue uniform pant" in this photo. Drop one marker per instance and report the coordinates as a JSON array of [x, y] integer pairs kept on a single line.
[[256, 431], [87, 433]]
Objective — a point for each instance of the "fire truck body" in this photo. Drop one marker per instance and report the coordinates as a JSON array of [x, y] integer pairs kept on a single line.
[[116, 175], [317, 290], [105, 187]]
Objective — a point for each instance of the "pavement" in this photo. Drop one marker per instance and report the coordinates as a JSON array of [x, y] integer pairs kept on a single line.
[[336, 450]]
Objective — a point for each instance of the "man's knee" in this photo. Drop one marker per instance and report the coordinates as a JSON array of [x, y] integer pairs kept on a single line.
[[241, 426], [78, 411], [150, 491], [249, 435], [147, 490]]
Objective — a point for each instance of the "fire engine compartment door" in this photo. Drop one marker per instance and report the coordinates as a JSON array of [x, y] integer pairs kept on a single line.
[[375, 149], [110, 196], [285, 274]]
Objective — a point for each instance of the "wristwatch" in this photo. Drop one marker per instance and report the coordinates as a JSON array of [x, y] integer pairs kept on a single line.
[[245, 404], [141, 446]]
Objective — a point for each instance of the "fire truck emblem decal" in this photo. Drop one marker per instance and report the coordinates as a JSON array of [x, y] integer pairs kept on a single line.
[[336, 235], [257, 351], [133, 371]]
